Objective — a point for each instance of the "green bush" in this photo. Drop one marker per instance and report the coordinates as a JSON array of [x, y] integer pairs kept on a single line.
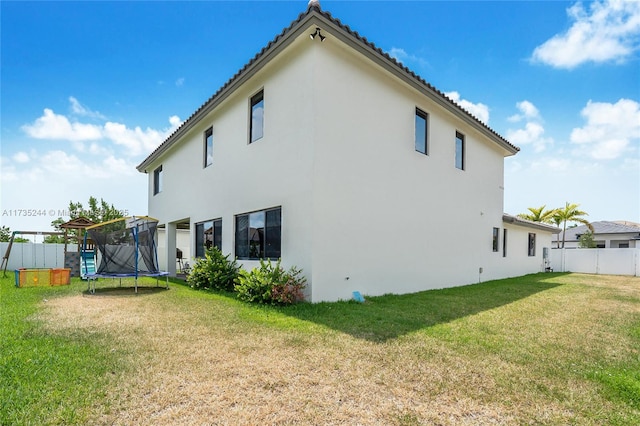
[[270, 284], [214, 272]]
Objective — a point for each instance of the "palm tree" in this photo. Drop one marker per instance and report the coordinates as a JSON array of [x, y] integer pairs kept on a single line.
[[538, 214], [556, 220], [570, 213]]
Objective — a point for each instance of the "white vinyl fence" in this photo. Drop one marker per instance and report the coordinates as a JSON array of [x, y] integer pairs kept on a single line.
[[609, 261], [34, 255]]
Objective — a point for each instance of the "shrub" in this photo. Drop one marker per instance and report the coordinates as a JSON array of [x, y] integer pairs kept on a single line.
[[214, 272], [270, 284]]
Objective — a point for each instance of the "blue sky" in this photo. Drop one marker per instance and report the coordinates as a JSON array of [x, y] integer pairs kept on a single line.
[[88, 89]]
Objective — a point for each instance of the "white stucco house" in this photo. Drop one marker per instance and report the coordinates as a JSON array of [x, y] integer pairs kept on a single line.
[[606, 234], [326, 152]]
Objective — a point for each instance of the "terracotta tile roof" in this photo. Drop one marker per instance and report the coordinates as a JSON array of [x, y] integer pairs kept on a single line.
[[314, 11]]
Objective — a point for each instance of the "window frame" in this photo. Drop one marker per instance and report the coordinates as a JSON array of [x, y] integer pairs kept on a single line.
[[157, 180], [216, 237], [424, 116], [208, 134], [460, 161], [496, 240], [270, 245], [531, 244], [254, 101]]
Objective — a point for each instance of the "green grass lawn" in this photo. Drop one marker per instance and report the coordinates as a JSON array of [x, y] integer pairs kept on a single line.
[[542, 349]]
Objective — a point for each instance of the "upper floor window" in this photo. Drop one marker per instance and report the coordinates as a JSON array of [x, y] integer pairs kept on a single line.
[[157, 180], [258, 235], [496, 237], [532, 244], [460, 148], [208, 147], [208, 234], [421, 131], [256, 129]]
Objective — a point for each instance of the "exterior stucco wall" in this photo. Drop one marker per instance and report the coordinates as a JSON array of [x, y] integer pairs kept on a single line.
[[361, 209], [388, 219], [517, 261], [273, 171]]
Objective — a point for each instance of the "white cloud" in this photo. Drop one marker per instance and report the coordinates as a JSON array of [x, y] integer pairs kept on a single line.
[[528, 111], [533, 131], [609, 130], [21, 157], [608, 31], [479, 110], [180, 82], [137, 141], [405, 58], [78, 109], [175, 121], [54, 126]]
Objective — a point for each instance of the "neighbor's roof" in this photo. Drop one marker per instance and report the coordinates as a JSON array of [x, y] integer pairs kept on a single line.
[[334, 27], [515, 220], [602, 227]]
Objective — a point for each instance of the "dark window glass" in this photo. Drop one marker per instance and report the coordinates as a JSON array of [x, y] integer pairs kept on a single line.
[[208, 147], [532, 244], [272, 234], [208, 234], [217, 234], [258, 235], [460, 151], [257, 117], [504, 243], [421, 131], [496, 236], [157, 180], [199, 240], [242, 236]]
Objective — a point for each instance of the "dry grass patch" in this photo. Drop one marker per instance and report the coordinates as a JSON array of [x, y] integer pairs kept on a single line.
[[195, 358]]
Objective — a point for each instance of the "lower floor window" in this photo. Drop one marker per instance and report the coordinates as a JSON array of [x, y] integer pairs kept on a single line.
[[496, 237], [258, 234], [532, 244], [208, 234]]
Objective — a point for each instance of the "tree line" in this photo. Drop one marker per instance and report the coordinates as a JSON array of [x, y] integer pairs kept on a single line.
[[96, 211]]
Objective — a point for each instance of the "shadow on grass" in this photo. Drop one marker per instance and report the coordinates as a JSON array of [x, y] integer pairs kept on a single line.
[[126, 287], [390, 316], [124, 291]]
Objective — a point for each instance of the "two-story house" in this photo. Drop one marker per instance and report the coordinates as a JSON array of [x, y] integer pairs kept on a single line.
[[326, 152]]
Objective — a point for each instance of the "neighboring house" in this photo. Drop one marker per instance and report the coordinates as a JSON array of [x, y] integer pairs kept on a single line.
[[605, 234], [327, 153]]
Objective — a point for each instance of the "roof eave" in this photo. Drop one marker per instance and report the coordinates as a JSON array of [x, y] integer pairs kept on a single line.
[[282, 41], [514, 220], [314, 16]]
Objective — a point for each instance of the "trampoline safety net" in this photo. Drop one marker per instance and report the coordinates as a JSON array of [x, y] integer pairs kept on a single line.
[[126, 246]]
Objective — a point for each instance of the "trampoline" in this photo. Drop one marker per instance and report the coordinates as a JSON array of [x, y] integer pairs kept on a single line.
[[126, 248]]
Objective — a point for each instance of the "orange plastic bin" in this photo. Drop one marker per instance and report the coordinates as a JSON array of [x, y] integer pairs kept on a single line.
[[60, 276], [42, 277]]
